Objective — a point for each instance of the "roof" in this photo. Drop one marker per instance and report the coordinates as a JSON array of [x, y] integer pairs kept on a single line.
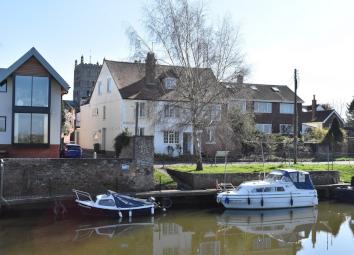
[[130, 79], [70, 103], [4, 73], [320, 116], [2, 70], [265, 92]]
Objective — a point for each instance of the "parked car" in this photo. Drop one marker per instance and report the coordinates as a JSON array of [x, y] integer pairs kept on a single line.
[[71, 151]]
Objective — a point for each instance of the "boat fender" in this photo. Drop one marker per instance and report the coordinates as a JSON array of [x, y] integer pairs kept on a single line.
[[262, 202], [166, 202], [227, 200], [249, 200], [291, 200]]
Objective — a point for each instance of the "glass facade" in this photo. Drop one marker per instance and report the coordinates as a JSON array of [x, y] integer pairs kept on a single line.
[[31, 91], [31, 128]]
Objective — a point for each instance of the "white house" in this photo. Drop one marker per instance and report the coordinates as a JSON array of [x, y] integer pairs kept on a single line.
[[121, 88], [30, 107]]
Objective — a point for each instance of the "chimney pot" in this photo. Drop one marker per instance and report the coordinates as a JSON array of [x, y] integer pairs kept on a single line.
[[313, 107]]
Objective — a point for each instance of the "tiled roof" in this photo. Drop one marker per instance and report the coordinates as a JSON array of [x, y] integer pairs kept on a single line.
[[264, 92], [130, 79], [320, 116], [4, 73]]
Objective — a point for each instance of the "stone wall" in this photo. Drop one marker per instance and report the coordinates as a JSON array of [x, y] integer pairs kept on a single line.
[[49, 177], [208, 181]]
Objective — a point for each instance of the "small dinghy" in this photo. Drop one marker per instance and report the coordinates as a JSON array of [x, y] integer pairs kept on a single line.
[[113, 203]]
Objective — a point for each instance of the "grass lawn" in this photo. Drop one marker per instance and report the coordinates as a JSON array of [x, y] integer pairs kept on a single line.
[[346, 171], [165, 179]]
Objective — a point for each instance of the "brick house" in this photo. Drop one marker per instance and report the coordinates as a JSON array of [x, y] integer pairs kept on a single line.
[[30, 107]]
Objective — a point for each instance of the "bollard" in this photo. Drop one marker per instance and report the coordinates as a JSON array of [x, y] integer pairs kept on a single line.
[[95, 155]]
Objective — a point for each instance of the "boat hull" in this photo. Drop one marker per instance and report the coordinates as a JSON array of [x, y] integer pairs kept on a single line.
[[231, 201], [345, 194]]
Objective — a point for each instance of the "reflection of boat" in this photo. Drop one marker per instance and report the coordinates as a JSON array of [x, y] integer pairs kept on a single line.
[[113, 203], [109, 231], [281, 189], [280, 224]]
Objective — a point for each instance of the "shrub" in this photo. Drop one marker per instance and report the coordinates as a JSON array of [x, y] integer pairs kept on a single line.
[[122, 140]]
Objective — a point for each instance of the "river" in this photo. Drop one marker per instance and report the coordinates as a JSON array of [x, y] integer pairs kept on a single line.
[[328, 229]]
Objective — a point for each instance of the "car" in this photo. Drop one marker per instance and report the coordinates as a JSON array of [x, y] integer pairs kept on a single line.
[[71, 151]]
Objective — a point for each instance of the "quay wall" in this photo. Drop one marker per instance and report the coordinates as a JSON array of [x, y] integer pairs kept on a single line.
[[208, 181], [46, 177]]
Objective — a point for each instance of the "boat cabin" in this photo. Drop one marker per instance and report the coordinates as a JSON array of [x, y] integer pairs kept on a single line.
[[300, 179]]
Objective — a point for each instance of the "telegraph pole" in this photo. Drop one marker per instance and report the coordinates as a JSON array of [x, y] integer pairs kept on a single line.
[[295, 118]]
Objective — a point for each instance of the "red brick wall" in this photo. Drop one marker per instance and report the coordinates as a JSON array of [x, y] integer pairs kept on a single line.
[[31, 152]]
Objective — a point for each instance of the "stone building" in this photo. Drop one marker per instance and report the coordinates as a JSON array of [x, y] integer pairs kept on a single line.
[[85, 76]]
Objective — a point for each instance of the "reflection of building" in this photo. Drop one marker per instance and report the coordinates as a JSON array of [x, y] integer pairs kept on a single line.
[[169, 239]]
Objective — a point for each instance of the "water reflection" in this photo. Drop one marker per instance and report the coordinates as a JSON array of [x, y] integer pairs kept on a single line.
[[328, 229]]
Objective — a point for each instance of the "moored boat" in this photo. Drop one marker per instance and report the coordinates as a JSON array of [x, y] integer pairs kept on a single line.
[[285, 188], [114, 204], [345, 194]]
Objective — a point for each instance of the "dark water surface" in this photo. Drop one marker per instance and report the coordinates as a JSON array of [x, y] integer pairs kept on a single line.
[[328, 229]]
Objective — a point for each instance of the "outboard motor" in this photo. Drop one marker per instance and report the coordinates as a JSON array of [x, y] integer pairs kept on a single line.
[[352, 182]]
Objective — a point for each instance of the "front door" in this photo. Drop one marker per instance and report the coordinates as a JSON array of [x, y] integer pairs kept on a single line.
[[187, 143]]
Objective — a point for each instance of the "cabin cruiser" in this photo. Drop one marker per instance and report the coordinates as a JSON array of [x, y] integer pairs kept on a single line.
[[113, 203], [285, 188]]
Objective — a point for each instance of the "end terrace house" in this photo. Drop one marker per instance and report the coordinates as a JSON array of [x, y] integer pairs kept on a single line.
[[30, 107]]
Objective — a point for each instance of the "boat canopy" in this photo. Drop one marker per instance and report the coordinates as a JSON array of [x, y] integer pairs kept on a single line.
[[124, 201], [300, 179]]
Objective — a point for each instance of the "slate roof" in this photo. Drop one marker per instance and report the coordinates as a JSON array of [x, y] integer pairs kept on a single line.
[[264, 92], [320, 116], [130, 79], [4, 73]]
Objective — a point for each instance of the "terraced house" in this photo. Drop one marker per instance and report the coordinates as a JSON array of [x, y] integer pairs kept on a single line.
[[124, 87], [30, 107]]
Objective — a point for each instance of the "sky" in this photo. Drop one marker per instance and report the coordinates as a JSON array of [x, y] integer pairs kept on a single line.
[[316, 37]]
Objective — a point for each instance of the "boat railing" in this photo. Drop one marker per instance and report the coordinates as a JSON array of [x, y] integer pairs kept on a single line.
[[82, 195], [224, 186]]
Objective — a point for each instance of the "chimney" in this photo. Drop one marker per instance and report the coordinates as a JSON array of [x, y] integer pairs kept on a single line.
[[239, 79], [313, 108], [150, 68]]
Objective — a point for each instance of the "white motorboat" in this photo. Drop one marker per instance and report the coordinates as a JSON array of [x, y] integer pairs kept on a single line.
[[285, 188], [113, 203]]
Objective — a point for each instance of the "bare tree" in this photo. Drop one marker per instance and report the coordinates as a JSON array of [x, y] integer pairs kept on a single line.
[[202, 55]]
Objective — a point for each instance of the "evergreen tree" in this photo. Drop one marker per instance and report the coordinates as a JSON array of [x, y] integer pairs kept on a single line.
[[334, 135], [350, 114]]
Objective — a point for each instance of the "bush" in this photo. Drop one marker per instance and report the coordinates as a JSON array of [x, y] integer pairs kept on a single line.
[[122, 140]]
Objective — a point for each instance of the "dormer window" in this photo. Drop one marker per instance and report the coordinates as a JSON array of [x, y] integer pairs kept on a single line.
[[170, 83]]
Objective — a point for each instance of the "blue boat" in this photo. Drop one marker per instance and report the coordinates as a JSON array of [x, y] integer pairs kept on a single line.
[[113, 203]]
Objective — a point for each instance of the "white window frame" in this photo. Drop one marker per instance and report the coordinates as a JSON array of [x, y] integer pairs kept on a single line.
[[286, 108], [238, 104], [258, 107], [170, 83], [215, 112], [264, 128], [109, 85], [210, 135], [171, 137], [142, 109], [282, 128]]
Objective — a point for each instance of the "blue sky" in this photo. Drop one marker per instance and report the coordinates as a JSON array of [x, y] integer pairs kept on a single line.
[[316, 37]]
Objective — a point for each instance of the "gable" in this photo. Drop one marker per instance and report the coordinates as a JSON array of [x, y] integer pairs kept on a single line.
[[32, 67]]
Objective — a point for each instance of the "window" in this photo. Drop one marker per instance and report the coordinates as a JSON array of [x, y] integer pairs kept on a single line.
[[171, 137], [170, 83], [31, 128], [100, 88], [264, 128], [109, 85], [106, 202], [262, 107], [104, 112], [286, 129], [142, 110], [286, 108], [171, 111], [210, 135], [31, 91], [240, 105], [95, 112], [141, 131], [3, 87], [2, 124], [215, 113], [280, 189]]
